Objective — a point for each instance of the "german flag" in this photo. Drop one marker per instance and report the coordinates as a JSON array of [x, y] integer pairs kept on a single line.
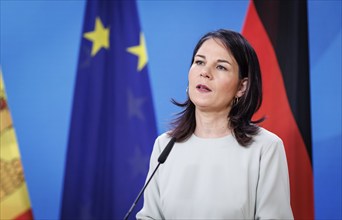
[[278, 31]]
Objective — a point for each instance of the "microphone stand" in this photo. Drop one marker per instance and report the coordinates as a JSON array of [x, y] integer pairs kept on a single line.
[[161, 159], [140, 193]]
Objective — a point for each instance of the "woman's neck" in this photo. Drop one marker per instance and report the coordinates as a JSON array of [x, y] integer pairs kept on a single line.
[[211, 124]]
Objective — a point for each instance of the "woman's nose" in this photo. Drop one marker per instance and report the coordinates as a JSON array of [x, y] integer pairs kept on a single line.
[[206, 73]]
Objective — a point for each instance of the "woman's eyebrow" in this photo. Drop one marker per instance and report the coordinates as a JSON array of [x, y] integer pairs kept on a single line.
[[199, 55], [219, 60], [224, 61]]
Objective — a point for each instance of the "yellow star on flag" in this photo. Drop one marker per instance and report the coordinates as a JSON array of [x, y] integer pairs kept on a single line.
[[99, 37], [140, 51]]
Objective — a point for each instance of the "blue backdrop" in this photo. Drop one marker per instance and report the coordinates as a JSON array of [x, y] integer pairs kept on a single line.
[[39, 50]]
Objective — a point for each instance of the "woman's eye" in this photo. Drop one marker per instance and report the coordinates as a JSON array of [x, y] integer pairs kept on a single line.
[[219, 67], [199, 62]]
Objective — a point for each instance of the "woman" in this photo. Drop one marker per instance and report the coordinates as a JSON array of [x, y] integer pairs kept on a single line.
[[223, 166]]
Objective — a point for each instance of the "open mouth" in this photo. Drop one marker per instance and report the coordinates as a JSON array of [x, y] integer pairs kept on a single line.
[[203, 88]]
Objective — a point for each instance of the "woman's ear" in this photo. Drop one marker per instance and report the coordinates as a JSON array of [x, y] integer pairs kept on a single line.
[[242, 87]]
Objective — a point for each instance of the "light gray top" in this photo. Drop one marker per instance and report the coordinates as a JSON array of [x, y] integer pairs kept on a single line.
[[216, 178]]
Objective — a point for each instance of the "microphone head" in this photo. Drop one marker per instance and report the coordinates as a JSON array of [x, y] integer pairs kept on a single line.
[[163, 156]]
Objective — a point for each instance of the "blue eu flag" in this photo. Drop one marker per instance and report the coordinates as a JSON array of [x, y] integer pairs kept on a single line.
[[112, 125]]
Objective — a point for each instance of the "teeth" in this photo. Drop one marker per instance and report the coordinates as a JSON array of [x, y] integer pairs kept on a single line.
[[203, 87]]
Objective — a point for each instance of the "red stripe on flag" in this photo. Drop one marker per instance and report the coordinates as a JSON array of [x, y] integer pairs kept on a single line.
[[279, 117], [28, 215]]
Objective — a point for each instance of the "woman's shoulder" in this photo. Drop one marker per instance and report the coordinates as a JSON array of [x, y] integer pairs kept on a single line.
[[164, 136], [267, 137], [163, 139]]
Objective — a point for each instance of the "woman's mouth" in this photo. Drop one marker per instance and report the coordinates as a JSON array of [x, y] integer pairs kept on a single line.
[[203, 88]]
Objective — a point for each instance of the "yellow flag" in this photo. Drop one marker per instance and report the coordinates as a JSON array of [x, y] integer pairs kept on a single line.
[[14, 198]]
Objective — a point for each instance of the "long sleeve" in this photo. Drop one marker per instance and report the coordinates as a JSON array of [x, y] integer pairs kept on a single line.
[[273, 191]]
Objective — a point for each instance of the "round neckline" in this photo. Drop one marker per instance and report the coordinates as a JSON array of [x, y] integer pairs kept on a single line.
[[212, 138]]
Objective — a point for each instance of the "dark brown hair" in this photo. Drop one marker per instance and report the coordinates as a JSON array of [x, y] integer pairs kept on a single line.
[[241, 113]]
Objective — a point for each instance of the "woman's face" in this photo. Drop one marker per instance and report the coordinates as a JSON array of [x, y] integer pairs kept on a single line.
[[213, 78]]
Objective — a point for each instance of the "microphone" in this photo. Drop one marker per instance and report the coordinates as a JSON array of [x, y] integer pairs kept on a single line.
[[163, 156], [161, 159]]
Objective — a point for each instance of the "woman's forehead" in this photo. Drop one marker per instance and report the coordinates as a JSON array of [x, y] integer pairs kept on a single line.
[[215, 45]]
